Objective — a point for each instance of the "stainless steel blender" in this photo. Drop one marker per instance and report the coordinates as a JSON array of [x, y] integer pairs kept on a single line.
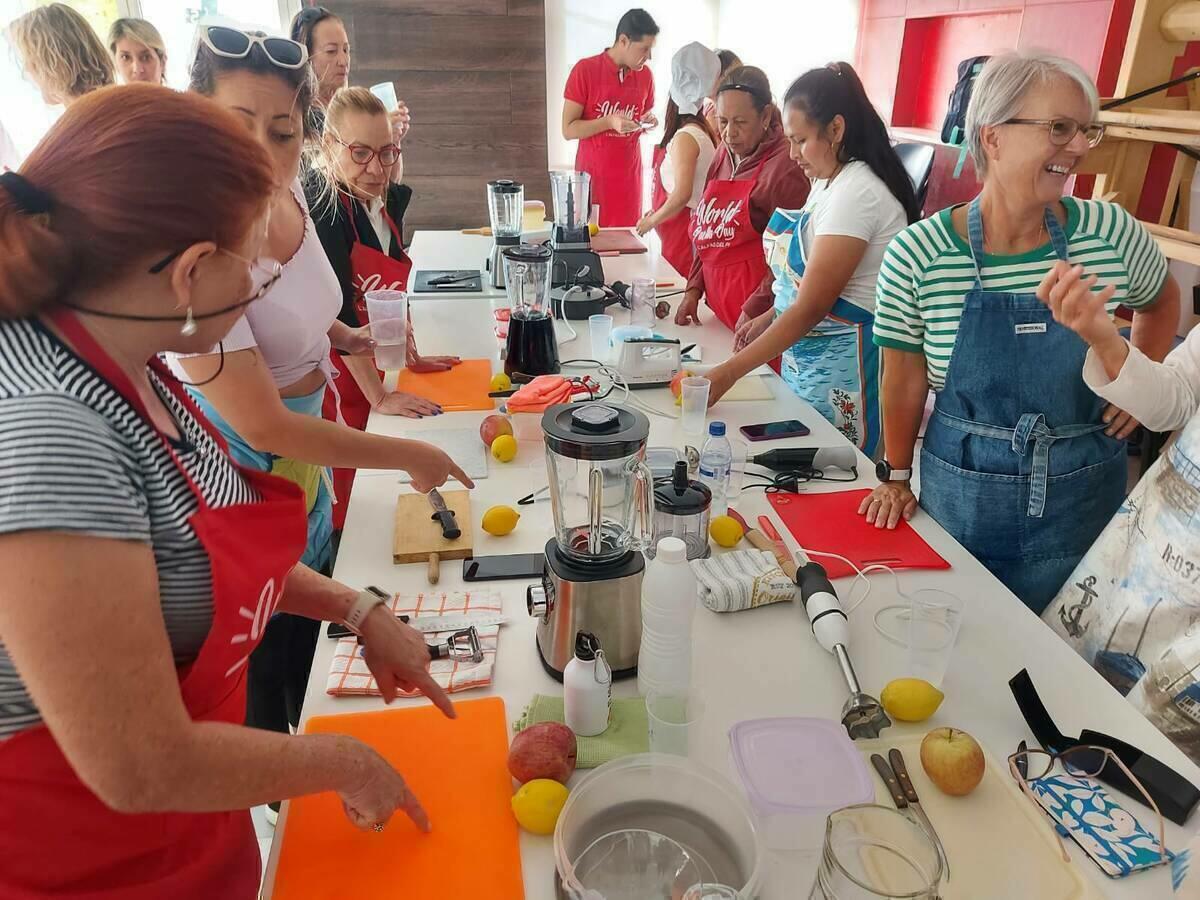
[[532, 347], [506, 207], [601, 496], [575, 262]]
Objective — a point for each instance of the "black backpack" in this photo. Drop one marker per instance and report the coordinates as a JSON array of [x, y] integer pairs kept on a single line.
[[954, 125]]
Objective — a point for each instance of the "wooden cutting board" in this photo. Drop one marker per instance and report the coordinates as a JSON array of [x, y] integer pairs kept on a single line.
[[456, 768], [617, 240], [418, 535]]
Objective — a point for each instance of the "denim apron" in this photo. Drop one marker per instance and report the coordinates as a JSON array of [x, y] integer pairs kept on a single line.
[[835, 367], [1015, 463]]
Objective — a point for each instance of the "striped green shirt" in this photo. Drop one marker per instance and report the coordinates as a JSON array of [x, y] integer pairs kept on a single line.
[[927, 271]]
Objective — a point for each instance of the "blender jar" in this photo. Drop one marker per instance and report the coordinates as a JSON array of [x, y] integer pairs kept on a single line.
[[601, 491], [572, 199], [527, 279], [681, 509], [506, 208]]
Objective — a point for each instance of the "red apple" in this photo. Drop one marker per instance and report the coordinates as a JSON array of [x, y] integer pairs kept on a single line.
[[679, 376], [492, 427], [545, 750], [953, 761]]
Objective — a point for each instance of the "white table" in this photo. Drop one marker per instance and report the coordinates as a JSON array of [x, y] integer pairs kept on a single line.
[[758, 663]]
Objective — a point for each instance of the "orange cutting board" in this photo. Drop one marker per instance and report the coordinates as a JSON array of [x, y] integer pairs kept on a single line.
[[463, 387], [458, 770]]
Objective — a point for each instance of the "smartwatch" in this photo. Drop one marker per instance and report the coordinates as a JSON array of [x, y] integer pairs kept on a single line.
[[885, 472], [363, 605]]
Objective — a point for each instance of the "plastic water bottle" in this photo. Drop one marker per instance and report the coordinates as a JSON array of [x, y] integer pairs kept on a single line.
[[716, 462], [668, 605]]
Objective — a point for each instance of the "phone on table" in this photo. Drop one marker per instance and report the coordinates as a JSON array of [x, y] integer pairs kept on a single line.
[[773, 431], [502, 568]]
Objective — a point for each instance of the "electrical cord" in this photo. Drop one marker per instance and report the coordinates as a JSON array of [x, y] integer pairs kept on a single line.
[[789, 482]]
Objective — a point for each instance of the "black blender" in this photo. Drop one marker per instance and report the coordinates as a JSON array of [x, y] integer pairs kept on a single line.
[[532, 347], [577, 268]]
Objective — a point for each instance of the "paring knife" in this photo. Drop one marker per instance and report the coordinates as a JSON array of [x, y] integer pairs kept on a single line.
[[760, 541], [895, 775]]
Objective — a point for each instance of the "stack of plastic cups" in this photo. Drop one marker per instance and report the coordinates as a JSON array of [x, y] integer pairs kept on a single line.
[[668, 605]]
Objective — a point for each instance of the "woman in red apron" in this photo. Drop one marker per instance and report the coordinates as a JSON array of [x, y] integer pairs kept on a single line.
[[751, 177]]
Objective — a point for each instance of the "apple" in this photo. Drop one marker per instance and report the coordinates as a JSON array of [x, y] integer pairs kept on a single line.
[[545, 750], [492, 427], [953, 761], [675, 382]]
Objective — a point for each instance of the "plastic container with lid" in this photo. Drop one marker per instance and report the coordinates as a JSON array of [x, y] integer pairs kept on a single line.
[[681, 510], [796, 771]]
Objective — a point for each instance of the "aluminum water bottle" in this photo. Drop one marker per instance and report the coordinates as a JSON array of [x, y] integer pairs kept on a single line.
[[668, 605], [587, 688], [716, 462]]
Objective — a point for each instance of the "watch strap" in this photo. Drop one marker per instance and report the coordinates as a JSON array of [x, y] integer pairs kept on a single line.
[[363, 604]]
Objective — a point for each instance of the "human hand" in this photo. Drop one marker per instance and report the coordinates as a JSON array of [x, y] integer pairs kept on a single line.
[[400, 121], [749, 332], [431, 467], [1120, 423], [645, 224], [410, 406], [622, 124], [376, 791], [650, 120], [398, 657], [688, 312], [1068, 294], [357, 341], [885, 505], [720, 380], [418, 363]]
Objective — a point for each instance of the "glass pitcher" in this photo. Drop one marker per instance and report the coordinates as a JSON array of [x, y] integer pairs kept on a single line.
[[601, 490], [527, 279]]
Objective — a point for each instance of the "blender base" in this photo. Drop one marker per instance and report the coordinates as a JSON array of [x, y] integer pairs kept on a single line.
[[618, 674]]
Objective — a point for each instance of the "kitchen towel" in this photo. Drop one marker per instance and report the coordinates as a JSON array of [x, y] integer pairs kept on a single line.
[[626, 733], [744, 579], [350, 677]]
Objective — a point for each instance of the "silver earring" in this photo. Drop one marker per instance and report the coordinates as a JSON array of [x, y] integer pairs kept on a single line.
[[188, 328]]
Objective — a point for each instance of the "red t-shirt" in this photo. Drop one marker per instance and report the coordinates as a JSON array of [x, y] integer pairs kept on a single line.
[[613, 160]]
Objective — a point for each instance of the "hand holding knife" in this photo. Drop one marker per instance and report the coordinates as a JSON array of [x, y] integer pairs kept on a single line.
[[895, 776]]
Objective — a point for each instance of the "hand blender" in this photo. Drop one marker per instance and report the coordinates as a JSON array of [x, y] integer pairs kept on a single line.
[[862, 715]]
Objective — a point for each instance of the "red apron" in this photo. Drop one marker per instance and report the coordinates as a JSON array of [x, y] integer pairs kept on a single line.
[[57, 838], [730, 249], [370, 270], [615, 160], [675, 233]]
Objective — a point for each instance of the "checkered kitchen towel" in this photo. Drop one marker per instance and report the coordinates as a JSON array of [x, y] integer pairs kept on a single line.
[[350, 677]]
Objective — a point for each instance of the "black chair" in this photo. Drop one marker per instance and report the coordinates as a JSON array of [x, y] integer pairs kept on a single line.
[[918, 162]]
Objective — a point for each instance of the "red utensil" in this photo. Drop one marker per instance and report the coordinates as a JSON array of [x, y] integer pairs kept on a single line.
[[737, 517]]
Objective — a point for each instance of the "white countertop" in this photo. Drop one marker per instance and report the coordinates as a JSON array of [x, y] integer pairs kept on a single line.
[[758, 663]]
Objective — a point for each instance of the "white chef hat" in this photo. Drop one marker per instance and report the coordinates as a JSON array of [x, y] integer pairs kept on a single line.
[[694, 71]]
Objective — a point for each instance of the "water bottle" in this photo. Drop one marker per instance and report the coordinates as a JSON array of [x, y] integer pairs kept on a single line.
[[668, 604], [716, 462], [587, 688]]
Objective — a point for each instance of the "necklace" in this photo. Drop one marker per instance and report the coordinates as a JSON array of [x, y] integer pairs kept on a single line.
[[1037, 241]]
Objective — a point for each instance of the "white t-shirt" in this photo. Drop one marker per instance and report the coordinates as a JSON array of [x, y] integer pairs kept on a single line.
[[382, 231], [707, 150], [855, 204]]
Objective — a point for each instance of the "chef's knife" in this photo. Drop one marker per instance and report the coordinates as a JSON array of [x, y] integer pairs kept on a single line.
[[896, 758], [444, 516]]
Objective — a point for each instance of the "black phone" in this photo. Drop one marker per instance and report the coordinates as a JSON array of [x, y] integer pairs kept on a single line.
[[500, 568], [773, 431]]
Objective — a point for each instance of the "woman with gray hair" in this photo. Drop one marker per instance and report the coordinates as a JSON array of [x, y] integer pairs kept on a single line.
[[1021, 461]]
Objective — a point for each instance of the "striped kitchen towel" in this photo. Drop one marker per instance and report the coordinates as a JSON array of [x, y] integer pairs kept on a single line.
[[729, 582], [350, 677]]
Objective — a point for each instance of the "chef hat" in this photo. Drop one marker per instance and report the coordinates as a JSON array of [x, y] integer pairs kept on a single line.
[[694, 71]]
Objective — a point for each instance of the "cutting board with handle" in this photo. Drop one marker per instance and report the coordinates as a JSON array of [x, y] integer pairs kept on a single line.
[[457, 769], [617, 240], [418, 536]]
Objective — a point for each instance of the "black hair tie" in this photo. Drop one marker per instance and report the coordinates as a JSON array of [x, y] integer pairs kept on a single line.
[[31, 200]]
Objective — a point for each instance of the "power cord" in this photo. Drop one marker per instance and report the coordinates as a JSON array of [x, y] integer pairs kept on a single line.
[[789, 482]]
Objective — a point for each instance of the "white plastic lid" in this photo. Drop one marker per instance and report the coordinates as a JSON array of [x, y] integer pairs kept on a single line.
[[671, 550]]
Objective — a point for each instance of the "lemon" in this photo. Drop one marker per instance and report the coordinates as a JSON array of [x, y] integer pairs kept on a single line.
[[504, 448], [725, 531], [593, 229], [911, 699], [500, 382], [537, 804], [500, 520]]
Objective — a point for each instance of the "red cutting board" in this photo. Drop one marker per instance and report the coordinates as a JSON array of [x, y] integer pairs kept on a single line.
[[463, 387], [617, 240], [830, 522], [458, 769]]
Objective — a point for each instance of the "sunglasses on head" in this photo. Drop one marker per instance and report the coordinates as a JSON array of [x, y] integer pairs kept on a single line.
[[233, 43]]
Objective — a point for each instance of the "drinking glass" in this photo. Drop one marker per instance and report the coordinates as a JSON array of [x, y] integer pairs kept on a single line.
[[873, 852], [693, 392], [669, 717], [641, 302], [387, 313], [600, 328], [933, 622], [386, 92]]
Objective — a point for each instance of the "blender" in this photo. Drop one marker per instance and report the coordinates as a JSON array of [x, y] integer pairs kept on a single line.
[[532, 347], [506, 205], [601, 497], [575, 262]]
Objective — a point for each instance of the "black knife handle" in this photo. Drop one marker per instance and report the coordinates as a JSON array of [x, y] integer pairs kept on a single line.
[[889, 779], [896, 758], [450, 529]]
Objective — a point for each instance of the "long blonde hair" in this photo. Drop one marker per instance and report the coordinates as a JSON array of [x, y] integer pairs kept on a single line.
[[61, 52], [141, 31], [323, 157]]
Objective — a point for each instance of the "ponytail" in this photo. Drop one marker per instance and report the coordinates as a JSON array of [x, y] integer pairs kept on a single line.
[[835, 90]]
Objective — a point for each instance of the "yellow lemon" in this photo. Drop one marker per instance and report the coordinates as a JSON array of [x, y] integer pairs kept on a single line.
[[500, 520], [500, 382], [538, 803], [504, 448], [911, 699], [593, 229], [725, 531]]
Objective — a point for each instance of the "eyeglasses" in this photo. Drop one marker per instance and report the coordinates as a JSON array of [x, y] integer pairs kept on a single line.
[[1063, 130], [1082, 761], [263, 272], [233, 43], [362, 154]]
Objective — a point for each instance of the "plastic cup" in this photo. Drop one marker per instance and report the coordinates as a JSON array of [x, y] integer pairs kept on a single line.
[[386, 92], [594, 215], [387, 313], [600, 328], [642, 299], [693, 392], [934, 619], [669, 717]]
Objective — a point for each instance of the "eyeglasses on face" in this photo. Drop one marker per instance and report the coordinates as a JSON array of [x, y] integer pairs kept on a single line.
[[1062, 130], [362, 154], [263, 272]]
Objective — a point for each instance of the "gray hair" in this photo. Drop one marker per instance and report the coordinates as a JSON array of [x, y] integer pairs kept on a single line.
[[1002, 86]]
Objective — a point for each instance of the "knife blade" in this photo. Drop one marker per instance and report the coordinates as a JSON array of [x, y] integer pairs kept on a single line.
[[443, 515], [896, 758]]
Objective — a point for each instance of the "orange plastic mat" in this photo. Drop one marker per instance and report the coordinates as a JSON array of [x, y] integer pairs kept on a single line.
[[457, 767], [461, 388]]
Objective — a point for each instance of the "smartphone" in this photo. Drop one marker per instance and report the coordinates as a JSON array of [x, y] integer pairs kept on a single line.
[[772, 431], [501, 568]]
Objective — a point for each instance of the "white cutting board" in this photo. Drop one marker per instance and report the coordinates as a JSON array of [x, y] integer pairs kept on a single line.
[[462, 444], [752, 387]]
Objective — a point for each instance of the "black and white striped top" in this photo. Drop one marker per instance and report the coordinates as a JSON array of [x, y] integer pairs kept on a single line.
[[76, 457]]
